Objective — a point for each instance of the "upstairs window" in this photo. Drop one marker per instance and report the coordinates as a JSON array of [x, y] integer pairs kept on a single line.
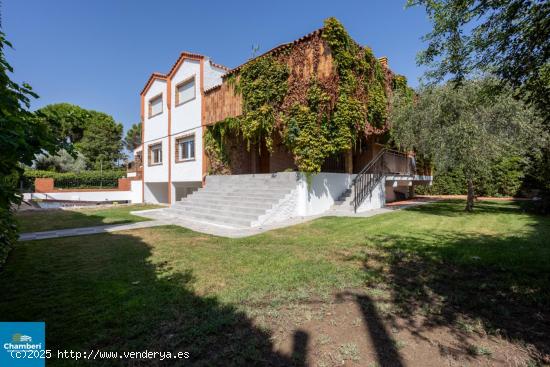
[[155, 106], [185, 148], [155, 154], [185, 91]]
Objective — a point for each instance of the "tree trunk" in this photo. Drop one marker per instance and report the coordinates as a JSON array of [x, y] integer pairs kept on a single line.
[[470, 199]]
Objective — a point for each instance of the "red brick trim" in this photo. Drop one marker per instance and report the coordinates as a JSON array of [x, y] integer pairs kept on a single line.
[[203, 126], [142, 102], [150, 81], [169, 104], [44, 185]]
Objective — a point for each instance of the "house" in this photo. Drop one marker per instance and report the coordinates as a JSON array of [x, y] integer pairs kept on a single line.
[[172, 108], [217, 152]]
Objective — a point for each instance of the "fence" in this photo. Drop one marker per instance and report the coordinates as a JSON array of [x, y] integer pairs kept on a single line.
[[51, 185], [81, 180]]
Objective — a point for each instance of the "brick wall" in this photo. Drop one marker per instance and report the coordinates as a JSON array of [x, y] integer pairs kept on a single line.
[[281, 159], [48, 185], [124, 184], [43, 184]]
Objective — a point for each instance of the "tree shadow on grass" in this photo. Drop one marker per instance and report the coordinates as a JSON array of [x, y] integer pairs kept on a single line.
[[104, 292], [55, 219], [464, 281], [449, 207]]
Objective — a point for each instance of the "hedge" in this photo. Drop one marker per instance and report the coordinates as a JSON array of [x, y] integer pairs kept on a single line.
[[505, 179], [84, 179]]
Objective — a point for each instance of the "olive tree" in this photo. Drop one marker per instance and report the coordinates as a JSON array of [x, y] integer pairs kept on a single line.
[[465, 127]]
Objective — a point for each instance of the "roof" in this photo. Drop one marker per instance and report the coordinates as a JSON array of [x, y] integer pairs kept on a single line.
[[184, 55], [277, 49], [274, 50]]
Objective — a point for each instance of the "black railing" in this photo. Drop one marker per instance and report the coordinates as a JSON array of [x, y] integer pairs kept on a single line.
[[386, 162]]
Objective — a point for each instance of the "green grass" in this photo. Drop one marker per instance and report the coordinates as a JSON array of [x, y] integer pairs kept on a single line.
[[169, 288], [45, 220]]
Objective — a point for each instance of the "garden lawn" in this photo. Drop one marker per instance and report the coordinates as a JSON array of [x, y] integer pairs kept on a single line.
[[50, 219], [228, 301]]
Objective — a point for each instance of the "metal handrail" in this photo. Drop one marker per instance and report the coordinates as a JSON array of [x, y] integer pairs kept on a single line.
[[366, 180]]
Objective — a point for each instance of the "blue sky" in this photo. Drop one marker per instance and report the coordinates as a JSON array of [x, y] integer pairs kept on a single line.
[[98, 54]]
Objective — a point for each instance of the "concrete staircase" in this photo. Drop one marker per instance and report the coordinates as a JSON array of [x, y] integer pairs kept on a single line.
[[343, 205], [236, 200]]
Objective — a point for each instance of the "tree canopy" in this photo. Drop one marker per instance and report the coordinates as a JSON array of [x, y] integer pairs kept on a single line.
[[508, 38], [133, 137], [94, 134], [468, 128], [22, 136]]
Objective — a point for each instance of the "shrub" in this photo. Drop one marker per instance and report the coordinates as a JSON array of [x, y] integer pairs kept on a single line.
[[504, 179], [84, 179]]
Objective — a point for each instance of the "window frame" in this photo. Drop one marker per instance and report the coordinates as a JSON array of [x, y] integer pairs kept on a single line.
[[151, 155], [158, 96], [181, 84], [181, 139]]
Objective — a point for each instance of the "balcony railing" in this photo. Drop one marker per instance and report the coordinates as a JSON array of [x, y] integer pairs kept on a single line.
[[387, 162]]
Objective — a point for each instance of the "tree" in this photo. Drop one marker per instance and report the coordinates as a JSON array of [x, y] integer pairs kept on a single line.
[[94, 134], [102, 141], [466, 128], [133, 137], [22, 136], [70, 119], [63, 161], [508, 38]]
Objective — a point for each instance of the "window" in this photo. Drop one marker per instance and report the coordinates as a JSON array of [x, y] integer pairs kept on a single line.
[[185, 91], [155, 154], [185, 148], [155, 106]]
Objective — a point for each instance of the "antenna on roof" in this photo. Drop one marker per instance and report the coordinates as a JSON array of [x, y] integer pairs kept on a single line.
[[255, 49]]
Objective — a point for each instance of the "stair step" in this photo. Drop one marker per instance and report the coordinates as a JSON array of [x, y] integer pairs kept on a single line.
[[248, 190], [234, 199], [241, 185], [217, 207], [207, 211], [263, 205], [212, 218], [239, 195]]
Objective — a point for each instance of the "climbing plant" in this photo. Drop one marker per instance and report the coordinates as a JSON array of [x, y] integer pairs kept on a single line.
[[263, 86], [316, 120]]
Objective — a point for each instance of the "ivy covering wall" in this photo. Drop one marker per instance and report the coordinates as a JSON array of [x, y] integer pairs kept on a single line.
[[315, 117]]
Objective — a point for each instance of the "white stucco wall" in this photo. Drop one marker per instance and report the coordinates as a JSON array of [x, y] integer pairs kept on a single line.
[[156, 131], [377, 198], [212, 75], [191, 170], [156, 173], [185, 120], [155, 127], [82, 195], [136, 188], [156, 192], [186, 116], [324, 189]]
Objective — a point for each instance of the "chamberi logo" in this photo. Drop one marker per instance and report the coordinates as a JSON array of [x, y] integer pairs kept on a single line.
[[20, 338], [22, 344]]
